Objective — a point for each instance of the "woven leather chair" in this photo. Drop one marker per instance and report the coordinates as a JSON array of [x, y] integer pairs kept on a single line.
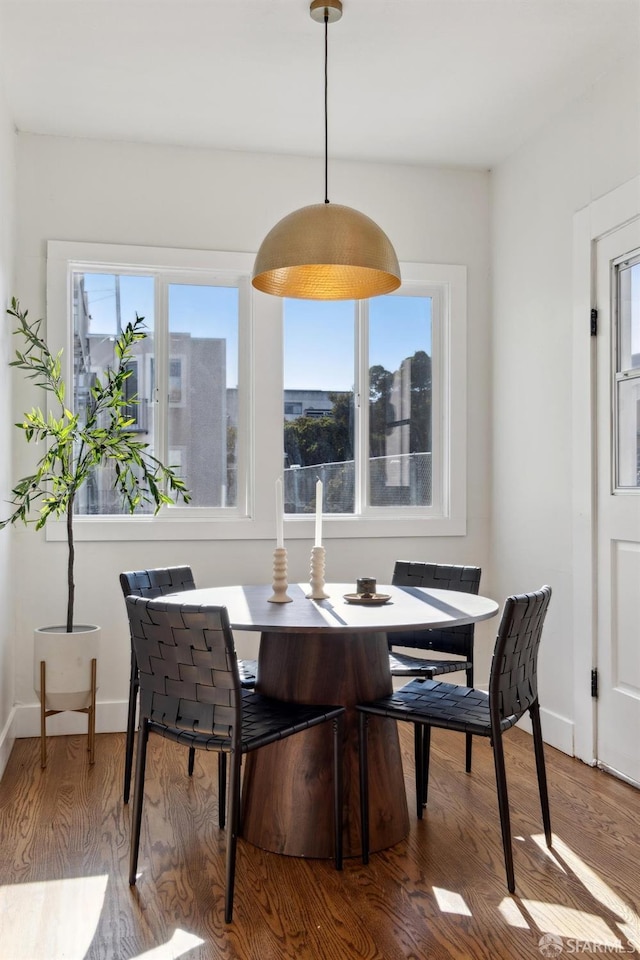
[[190, 692], [157, 583], [454, 640], [513, 691]]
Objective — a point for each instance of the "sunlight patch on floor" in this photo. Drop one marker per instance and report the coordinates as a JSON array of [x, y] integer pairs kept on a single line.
[[511, 912], [63, 914], [628, 920], [180, 943], [541, 842], [571, 924], [450, 902]]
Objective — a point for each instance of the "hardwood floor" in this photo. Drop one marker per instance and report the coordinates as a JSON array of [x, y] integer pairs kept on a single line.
[[441, 893]]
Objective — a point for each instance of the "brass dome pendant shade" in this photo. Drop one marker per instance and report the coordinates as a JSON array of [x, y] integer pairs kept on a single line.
[[326, 251]]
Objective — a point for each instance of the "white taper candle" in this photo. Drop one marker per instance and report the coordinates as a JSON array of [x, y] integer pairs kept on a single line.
[[318, 541]]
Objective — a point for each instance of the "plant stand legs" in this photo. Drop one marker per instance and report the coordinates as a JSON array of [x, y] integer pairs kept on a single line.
[[90, 711], [43, 715]]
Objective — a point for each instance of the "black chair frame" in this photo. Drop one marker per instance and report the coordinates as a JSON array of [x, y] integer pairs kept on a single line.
[[153, 583], [513, 691], [191, 693], [458, 641]]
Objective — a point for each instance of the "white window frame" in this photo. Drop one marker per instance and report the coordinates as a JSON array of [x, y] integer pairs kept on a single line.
[[261, 409]]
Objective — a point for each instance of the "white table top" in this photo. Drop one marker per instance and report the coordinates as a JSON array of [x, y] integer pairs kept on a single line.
[[409, 608]]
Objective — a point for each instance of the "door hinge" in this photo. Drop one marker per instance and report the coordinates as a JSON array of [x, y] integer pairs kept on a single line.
[[594, 683], [594, 322]]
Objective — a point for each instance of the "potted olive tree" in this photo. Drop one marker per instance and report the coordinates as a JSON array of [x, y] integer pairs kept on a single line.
[[74, 446]]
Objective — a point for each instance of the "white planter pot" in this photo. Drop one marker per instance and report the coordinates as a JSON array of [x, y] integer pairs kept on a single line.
[[68, 659]]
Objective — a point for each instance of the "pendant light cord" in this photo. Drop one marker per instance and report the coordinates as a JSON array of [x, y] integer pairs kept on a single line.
[[326, 113]]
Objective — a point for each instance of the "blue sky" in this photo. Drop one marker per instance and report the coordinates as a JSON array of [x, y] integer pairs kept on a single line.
[[319, 338], [136, 296]]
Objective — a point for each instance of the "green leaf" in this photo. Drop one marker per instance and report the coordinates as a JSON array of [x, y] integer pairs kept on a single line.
[[73, 449]]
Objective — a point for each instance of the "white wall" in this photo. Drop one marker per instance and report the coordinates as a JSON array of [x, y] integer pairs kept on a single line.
[[584, 153], [72, 189], [7, 181]]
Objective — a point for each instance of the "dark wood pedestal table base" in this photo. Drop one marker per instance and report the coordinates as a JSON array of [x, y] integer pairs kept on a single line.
[[297, 820], [330, 652]]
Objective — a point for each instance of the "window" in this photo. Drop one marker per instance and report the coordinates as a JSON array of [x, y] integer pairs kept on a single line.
[[319, 364], [376, 371], [235, 389], [196, 325], [627, 374]]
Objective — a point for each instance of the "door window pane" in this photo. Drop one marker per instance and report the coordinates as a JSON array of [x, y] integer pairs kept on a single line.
[[628, 375], [629, 433], [400, 401], [629, 316], [203, 390], [319, 363]]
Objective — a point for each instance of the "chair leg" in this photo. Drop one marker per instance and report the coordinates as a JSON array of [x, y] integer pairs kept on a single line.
[[337, 787], [232, 833], [131, 726], [426, 755], [418, 753], [138, 797], [222, 789], [538, 746], [468, 736], [503, 806], [191, 761], [364, 784], [468, 742]]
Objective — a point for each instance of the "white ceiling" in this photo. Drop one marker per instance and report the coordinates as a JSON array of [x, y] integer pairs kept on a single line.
[[460, 82]]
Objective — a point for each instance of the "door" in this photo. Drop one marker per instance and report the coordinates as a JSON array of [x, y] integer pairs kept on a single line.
[[618, 501]]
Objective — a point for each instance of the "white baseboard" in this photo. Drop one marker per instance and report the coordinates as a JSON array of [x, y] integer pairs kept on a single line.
[[111, 717], [557, 731], [7, 738]]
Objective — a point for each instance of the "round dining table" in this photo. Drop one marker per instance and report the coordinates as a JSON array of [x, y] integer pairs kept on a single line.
[[331, 651]]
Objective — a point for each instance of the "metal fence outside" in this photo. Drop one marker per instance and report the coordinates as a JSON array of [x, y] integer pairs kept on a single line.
[[395, 481], [402, 480]]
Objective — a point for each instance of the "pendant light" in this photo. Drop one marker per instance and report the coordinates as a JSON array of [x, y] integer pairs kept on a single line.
[[326, 251]]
